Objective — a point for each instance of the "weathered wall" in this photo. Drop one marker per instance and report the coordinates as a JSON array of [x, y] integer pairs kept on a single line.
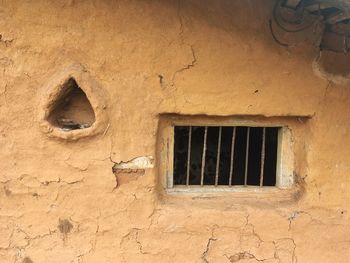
[[58, 201]]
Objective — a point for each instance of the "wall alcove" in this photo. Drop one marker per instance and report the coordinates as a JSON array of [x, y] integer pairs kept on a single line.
[[73, 105], [72, 109], [333, 66]]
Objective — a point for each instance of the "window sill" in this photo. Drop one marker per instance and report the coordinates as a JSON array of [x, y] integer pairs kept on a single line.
[[224, 197], [222, 189]]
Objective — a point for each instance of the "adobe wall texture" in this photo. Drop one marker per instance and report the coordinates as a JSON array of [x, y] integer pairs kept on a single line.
[[58, 201]]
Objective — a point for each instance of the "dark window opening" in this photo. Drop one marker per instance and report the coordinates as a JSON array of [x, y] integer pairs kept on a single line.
[[225, 155], [72, 109]]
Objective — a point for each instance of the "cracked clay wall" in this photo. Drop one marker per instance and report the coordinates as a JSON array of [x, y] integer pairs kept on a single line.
[[58, 201]]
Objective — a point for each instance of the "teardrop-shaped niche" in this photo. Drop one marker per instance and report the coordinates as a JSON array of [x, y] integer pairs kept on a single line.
[[73, 105], [336, 66], [72, 109]]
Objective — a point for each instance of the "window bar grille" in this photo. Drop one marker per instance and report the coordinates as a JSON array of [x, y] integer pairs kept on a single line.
[[189, 156], [262, 162], [232, 154], [246, 158], [203, 154], [218, 158]]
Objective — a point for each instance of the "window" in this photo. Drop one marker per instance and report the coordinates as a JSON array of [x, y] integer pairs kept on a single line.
[[225, 156], [205, 154]]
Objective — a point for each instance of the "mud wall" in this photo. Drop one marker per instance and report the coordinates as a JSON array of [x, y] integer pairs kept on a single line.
[[58, 195]]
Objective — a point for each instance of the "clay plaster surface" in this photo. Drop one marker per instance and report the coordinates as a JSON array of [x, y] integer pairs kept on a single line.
[[58, 198]]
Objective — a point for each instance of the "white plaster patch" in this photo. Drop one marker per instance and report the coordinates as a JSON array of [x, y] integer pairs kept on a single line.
[[142, 162]]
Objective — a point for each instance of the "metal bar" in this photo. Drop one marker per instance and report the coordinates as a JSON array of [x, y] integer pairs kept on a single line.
[[189, 156], [232, 154], [246, 158], [218, 158], [203, 154], [262, 160]]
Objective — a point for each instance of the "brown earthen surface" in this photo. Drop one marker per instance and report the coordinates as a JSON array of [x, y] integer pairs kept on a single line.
[[58, 198]]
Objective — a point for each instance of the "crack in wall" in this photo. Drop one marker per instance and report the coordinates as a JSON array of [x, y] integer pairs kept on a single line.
[[296, 214], [133, 235], [25, 190], [187, 67], [283, 249], [207, 248]]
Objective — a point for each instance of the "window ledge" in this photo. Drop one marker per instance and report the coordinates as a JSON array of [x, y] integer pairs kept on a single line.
[[223, 197], [223, 189]]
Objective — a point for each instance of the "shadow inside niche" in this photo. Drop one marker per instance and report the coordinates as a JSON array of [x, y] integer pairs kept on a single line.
[[71, 109], [335, 63]]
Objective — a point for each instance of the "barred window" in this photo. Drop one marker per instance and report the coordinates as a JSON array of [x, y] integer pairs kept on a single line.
[[225, 156]]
